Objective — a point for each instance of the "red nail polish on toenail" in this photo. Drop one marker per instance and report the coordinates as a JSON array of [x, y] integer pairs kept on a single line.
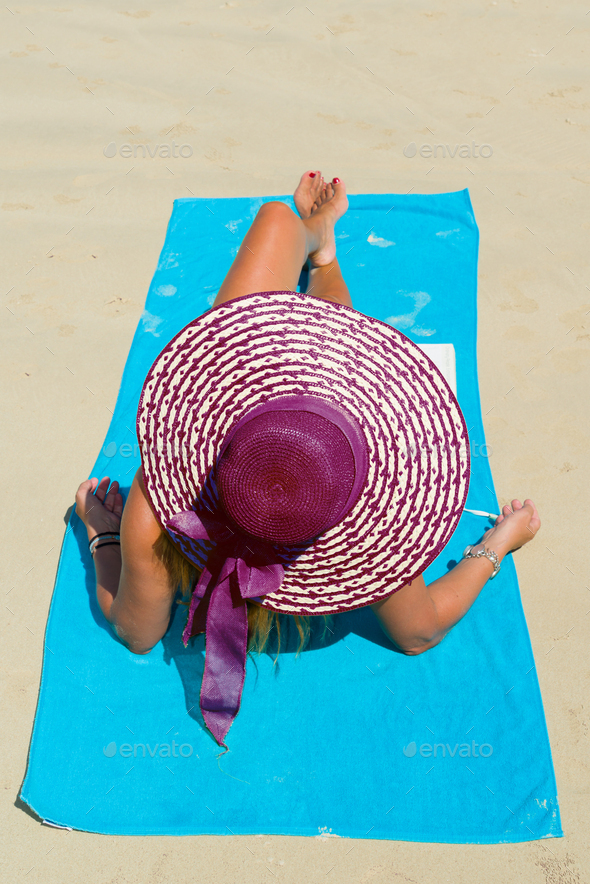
[[336, 180], [312, 174]]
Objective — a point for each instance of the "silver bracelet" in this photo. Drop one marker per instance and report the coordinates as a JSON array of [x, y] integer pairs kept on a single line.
[[483, 553]]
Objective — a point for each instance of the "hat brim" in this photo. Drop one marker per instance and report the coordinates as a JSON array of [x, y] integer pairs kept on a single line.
[[265, 345]]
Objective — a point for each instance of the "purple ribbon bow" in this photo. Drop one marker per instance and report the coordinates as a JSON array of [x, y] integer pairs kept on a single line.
[[218, 608]]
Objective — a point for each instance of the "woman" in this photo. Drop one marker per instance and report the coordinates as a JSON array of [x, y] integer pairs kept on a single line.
[[137, 580]]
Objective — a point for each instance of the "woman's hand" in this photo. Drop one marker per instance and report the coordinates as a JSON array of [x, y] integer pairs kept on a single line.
[[99, 506], [515, 526]]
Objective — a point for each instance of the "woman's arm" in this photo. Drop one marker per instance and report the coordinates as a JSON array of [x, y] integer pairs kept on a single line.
[[132, 585], [417, 617]]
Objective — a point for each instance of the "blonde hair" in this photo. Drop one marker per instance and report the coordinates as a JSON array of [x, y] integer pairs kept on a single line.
[[261, 621]]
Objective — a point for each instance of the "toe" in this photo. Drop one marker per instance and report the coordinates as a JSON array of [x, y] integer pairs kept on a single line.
[[516, 504], [506, 510]]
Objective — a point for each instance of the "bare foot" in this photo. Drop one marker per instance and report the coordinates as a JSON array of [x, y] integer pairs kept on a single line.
[[328, 207], [309, 190]]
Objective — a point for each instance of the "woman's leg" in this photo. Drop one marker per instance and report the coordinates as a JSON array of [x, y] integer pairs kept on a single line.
[[327, 282], [279, 243]]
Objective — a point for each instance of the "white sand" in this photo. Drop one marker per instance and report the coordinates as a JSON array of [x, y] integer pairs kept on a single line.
[[82, 234]]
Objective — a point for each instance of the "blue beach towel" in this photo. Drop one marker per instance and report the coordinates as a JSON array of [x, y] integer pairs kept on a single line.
[[351, 738]]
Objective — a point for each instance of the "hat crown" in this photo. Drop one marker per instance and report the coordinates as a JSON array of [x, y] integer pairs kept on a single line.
[[286, 475]]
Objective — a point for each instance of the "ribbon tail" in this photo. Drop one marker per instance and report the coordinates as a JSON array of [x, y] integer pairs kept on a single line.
[[225, 660], [198, 595], [218, 607]]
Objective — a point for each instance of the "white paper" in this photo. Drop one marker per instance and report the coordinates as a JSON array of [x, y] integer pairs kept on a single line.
[[443, 356]]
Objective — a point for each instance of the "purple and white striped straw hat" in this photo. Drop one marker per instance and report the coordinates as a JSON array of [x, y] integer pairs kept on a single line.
[[301, 454]]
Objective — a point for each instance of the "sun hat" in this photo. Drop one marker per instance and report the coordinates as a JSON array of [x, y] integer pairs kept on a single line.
[[302, 455]]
